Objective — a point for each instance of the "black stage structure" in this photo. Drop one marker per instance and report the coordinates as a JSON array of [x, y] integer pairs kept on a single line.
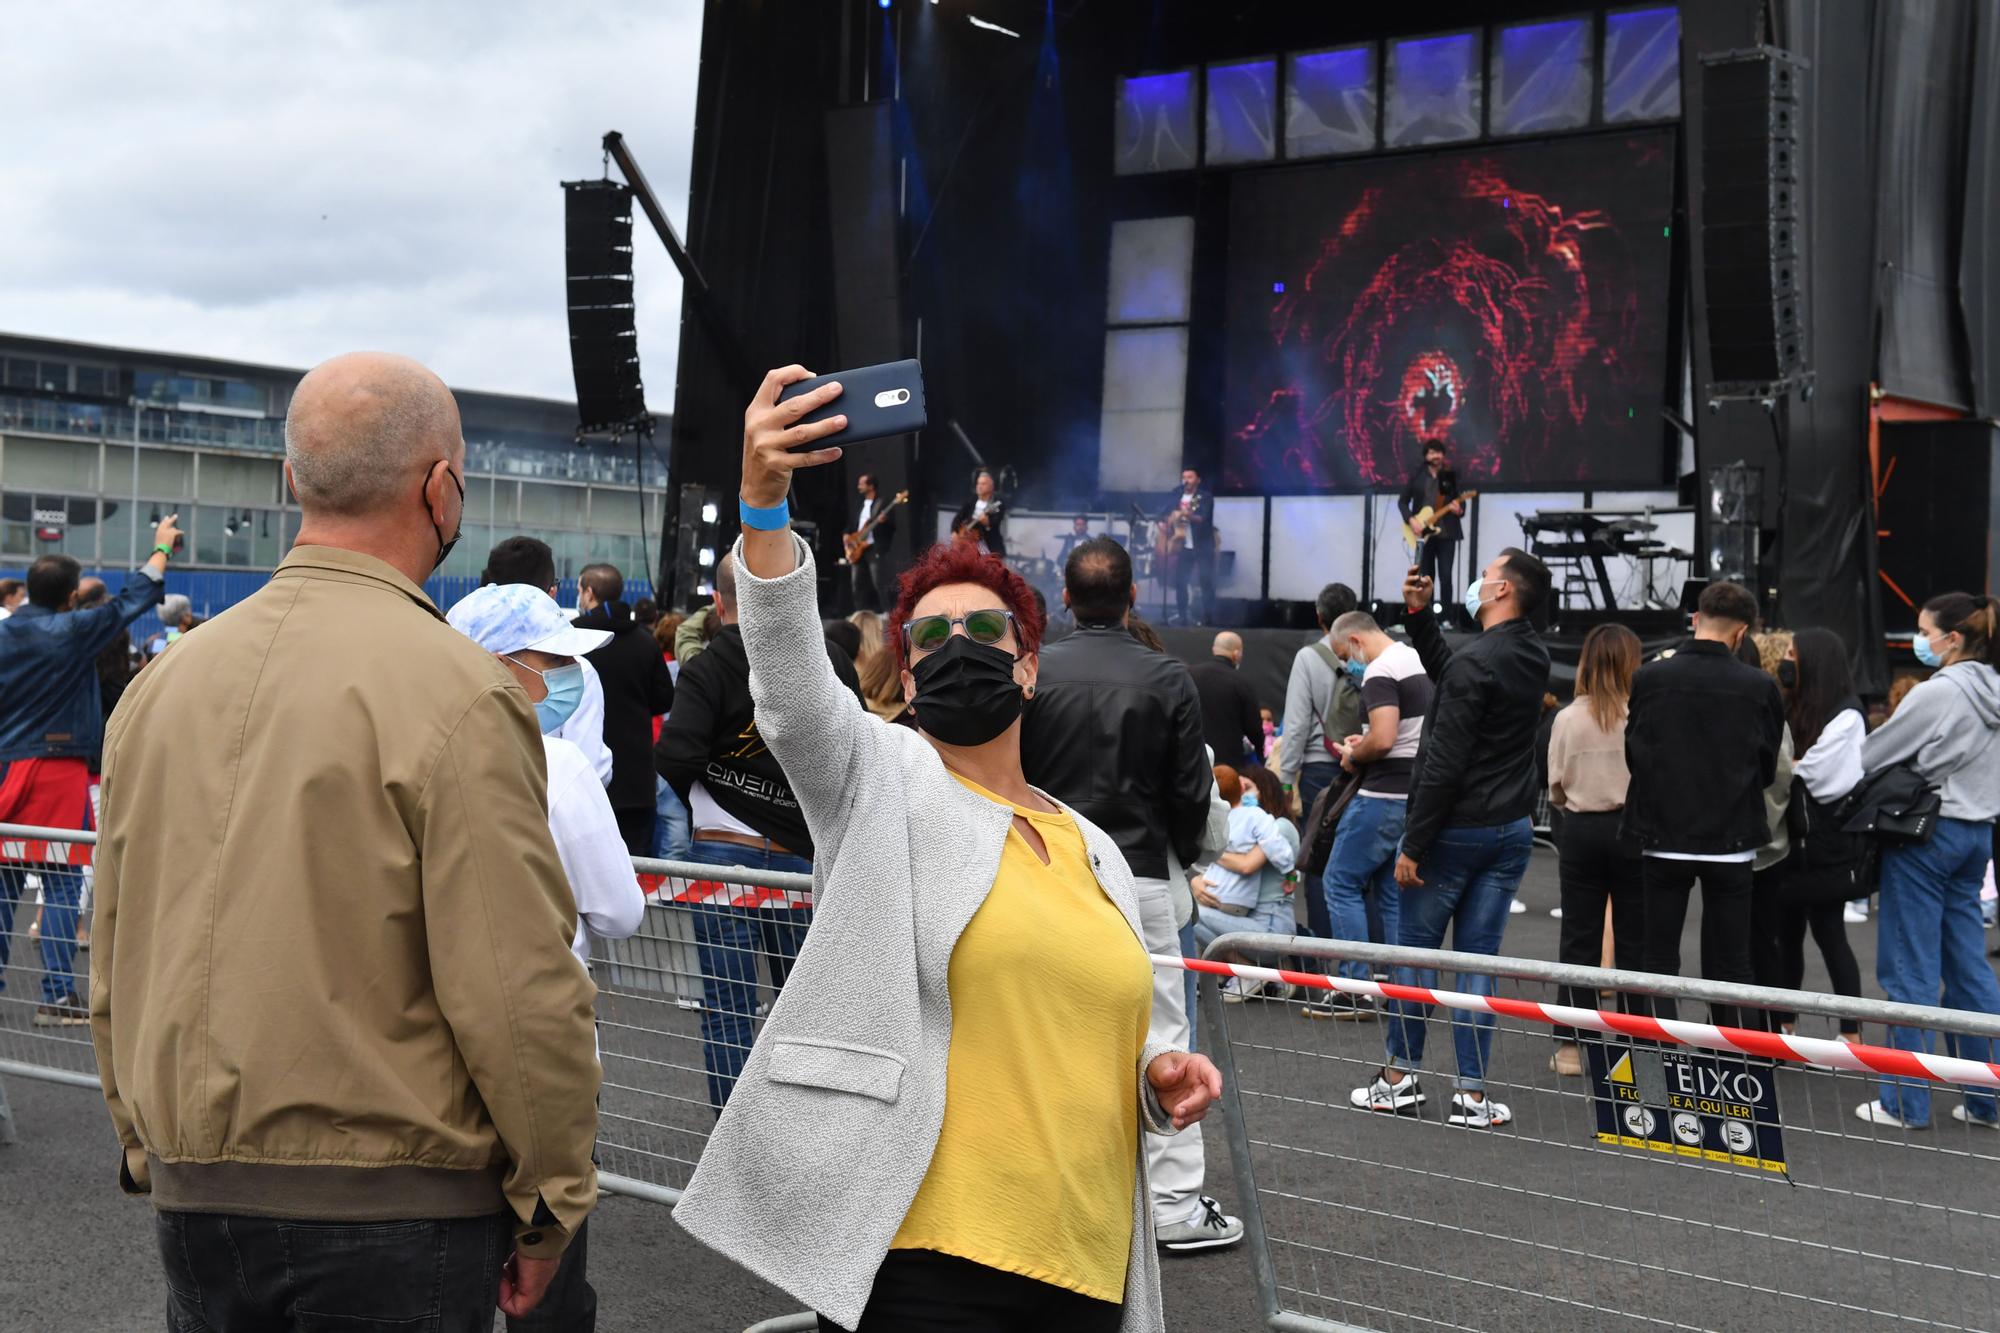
[[942, 180]]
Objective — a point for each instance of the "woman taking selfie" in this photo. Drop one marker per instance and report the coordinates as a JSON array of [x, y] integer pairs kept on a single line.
[[1931, 938], [939, 1126]]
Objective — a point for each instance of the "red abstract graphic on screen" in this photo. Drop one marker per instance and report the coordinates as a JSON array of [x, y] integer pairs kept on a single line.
[[1508, 303]]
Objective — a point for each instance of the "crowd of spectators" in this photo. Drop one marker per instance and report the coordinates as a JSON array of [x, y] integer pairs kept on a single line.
[[1000, 825]]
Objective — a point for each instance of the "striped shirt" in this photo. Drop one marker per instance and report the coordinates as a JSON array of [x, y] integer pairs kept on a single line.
[[1397, 680]]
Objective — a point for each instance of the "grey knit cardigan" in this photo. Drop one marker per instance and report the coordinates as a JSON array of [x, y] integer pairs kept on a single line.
[[830, 1130]]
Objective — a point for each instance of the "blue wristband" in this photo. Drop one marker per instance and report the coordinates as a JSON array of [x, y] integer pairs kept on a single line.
[[764, 520]]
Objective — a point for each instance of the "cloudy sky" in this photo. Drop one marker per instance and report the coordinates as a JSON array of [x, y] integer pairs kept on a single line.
[[281, 182]]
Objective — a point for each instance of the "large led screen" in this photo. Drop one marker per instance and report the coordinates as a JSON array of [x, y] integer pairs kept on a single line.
[[1510, 301]]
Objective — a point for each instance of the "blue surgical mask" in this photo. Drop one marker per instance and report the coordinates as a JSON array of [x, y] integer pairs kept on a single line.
[[1472, 598], [565, 692], [1927, 655], [1249, 798], [1355, 669]]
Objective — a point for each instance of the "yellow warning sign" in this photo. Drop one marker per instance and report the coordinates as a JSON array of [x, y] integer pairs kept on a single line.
[[1622, 1071]]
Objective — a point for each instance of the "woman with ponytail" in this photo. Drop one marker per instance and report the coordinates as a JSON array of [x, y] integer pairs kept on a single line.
[[1948, 731]]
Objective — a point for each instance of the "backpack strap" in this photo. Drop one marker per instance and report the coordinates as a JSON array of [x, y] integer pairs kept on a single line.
[[1332, 660]]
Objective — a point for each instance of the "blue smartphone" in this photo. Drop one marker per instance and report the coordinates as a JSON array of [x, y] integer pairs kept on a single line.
[[878, 401]]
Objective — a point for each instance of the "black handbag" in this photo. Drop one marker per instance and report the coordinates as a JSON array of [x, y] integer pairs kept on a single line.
[[1322, 823], [1895, 806]]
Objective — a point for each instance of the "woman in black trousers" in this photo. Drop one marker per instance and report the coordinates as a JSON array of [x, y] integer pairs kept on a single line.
[[1599, 870]]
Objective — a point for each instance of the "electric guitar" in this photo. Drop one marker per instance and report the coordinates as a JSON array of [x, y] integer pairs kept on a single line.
[[856, 544], [1423, 524]]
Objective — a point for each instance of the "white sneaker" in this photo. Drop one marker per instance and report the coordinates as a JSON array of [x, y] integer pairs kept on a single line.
[[1556, 912], [1516, 908], [1393, 1098], [1856, 912], [1960, 1114], [1209, 1229], [1232, 990], [1482, 1114], [1875, 1113]]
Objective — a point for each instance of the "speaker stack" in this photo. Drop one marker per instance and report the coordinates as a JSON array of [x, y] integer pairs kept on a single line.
[[1752, 238], [603, 337]]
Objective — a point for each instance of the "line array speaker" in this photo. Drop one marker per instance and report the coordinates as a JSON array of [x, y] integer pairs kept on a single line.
[[603, 337], [1753, 246]]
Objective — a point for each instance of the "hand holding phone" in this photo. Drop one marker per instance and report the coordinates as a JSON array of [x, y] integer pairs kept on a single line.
[[878, 401]]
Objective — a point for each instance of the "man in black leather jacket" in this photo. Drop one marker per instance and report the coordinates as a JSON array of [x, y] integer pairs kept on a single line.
[[1466, 837], [1701, 740], [637, 688], [1114, 730]]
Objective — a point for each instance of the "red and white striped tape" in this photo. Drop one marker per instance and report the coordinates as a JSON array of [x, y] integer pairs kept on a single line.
[[712, 892], [1884, 1060], [41, 851]]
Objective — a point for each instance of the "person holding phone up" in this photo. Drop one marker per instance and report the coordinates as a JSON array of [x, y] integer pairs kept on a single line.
[[952, 1091]]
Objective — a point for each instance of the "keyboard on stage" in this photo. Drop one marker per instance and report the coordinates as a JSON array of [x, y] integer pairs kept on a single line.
[[1577, 536]]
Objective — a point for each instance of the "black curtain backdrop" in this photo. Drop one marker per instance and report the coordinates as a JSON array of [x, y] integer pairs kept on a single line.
[[1979, 258], [757, 227], [1924, 63]]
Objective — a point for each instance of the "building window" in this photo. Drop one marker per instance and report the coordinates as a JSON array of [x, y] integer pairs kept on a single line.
[[1145, 352]]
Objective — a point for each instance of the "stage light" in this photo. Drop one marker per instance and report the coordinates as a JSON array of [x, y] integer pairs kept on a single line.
[[883, 4], [978, 22], [706, 558], [1278, 287], [709, 513]]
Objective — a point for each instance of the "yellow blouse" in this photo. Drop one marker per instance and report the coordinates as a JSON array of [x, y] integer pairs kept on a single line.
[[1050, 996]]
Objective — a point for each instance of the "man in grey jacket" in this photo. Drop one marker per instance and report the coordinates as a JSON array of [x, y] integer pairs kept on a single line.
[[1322, 705]]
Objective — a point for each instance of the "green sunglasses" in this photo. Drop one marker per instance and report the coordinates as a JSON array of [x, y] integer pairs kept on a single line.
[[929, 633]]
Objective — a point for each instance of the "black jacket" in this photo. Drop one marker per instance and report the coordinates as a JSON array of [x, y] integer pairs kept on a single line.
[[1229, 717], [1201, 519], [995, 532], [712, 738], [1476, 764], [1114, 730], [885, 527], [637, 688], [1423, 489], [1701, 737]]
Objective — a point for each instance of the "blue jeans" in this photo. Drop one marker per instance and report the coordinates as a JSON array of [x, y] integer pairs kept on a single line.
[[1469, 882], [671, 830], [728, 941], [1931, 938], [1362, 899], [61, 888]]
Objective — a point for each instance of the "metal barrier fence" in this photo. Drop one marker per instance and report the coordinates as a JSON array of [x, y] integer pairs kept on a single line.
[[1755, 1200], [1669, 1186]]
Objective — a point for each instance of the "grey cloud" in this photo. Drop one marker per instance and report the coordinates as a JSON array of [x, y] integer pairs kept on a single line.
[[280, 183]]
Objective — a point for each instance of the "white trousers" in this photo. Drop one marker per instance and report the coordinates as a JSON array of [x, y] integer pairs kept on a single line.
[[1175, 1165]]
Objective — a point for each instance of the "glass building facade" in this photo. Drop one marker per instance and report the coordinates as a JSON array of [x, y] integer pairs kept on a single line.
[[96, 443]]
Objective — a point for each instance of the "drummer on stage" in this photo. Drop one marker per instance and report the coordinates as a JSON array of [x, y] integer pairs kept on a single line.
[[980, 517]]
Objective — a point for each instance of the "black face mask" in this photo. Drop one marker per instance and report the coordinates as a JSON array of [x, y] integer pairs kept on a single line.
[[444, 547], [966, 692], [1788, 674]]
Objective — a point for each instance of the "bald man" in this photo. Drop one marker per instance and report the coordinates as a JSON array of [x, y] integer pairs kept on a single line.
[[1230, 720], [347, 997]]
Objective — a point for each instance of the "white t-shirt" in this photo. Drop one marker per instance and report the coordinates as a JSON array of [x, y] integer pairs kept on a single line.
[[703, 813], [585, 727], [609, 902]]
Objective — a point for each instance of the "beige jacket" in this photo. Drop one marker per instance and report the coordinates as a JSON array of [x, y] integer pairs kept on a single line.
[[331, 975]]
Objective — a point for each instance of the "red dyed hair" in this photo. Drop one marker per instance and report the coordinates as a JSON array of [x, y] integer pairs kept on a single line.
[[965, 562]]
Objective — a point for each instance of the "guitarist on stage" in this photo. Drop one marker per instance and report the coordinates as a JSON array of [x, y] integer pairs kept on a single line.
[[1435, 487], [864, 570], [1187, 540], [980, 518]]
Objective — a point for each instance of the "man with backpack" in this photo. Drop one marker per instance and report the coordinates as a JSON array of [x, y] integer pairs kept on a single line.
[[1322, 705]]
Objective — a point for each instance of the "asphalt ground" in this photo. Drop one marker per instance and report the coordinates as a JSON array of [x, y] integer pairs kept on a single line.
[[1385, 1222]]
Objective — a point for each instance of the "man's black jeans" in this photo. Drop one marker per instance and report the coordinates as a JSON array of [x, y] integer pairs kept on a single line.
[[227, 1273], [1725, 928]]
